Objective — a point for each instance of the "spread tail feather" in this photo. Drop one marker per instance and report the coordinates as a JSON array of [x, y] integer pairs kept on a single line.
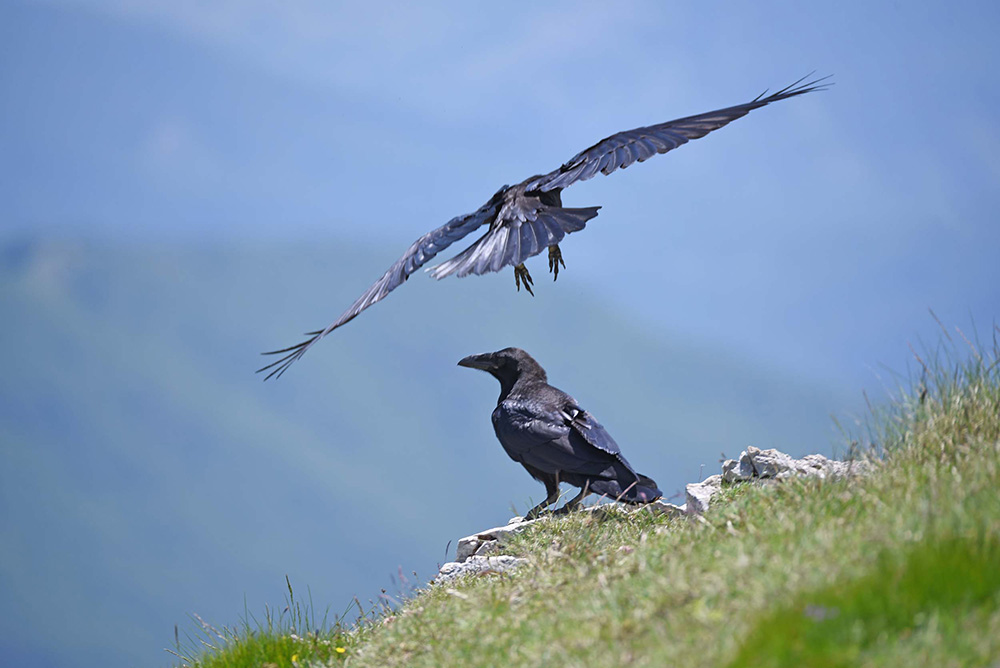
[[643, 490], [512, 243]]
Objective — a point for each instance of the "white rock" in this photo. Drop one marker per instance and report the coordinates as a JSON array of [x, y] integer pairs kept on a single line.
[[478, 566], [770, 463], [737, 470], [471, 545], [466, 548], [661, 507], [755, 463], [699, 494], [488, 548]]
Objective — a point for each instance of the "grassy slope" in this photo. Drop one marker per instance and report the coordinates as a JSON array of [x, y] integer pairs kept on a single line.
[[898, 568]]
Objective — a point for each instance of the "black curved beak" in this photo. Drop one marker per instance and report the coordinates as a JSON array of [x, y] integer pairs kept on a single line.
[[484, 362]]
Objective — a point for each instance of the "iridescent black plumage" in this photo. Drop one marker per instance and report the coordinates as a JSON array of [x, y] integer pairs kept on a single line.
[[553, 438]]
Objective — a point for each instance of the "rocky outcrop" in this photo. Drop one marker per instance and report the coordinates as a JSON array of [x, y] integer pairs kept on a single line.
[[478, 566], [489, 541], [699, 494], [757, 463], [479, 554]]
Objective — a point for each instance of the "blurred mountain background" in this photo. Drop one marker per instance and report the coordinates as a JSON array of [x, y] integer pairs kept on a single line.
[[187, 184], [149, 474]]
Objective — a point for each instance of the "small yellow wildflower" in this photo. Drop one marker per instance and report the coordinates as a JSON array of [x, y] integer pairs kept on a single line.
[[340, 650], [295, 658]]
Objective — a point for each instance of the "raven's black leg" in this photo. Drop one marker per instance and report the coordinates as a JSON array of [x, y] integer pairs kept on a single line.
[[552, 495], [573, 503], [521, 274], [537, 510], [555, 259]]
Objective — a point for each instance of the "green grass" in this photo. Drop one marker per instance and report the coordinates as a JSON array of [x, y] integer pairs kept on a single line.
[[897, 568], [293, 637], [932, 589]]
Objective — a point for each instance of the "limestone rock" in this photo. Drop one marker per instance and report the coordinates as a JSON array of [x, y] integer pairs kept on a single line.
[[756, 463], [699, 494], [737, 470], [477, 543], [477, 565], [661, 507], [770, 463]]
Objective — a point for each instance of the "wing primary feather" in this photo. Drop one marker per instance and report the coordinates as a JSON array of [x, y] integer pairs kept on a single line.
[[419, 252], [647, 147], [619, 150]]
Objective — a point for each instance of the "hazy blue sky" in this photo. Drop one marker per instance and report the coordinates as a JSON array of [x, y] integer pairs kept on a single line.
[[809, 238], [813, 234]]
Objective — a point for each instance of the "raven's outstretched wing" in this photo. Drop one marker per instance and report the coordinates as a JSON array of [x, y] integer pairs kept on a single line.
[[422, 250], [624, 148], [526, 227]]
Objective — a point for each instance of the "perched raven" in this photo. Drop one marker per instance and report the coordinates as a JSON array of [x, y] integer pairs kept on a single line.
[[525, 219], [545, 430]]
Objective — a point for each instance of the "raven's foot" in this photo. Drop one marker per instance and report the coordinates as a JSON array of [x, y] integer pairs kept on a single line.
[[535, 513], [566, 509], [521, 275], [573, 503], [540, 509], [555, 259]]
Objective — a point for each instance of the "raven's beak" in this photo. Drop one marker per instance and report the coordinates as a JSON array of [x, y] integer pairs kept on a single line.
[[484, 362]]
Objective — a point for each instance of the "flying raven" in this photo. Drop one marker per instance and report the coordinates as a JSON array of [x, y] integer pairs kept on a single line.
[[545, 431], [525, 219]]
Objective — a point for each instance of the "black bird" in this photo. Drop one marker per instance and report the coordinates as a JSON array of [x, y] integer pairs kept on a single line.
[[525, 219], [545, 431]]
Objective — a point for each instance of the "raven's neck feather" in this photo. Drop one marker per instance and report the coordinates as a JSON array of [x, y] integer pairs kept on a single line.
[[519, 377], [526, 385]]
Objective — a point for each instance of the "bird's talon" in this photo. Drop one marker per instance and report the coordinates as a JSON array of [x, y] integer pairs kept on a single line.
[[521, 275], [555, 259]]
